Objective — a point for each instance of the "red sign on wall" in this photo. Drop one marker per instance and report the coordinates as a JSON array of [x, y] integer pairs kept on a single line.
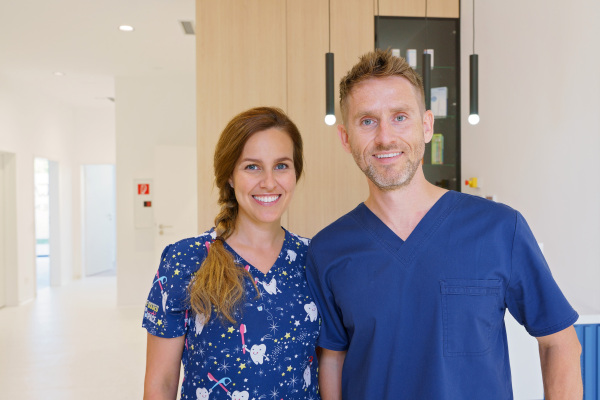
[[143, 188]]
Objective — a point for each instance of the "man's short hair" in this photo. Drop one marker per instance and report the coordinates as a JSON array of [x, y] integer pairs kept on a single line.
[[379, 64]]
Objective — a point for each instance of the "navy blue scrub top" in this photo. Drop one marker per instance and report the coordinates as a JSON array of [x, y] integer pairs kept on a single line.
[[269, 353], [424, 318]]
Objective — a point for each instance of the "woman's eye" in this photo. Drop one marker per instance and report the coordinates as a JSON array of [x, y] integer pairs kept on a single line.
[[251, 167], [281, 166]]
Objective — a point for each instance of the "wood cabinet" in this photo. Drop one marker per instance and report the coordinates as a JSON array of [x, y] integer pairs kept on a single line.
[[416, 8]]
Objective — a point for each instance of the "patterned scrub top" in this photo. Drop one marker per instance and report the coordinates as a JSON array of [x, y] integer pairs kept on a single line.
[[269, 354]]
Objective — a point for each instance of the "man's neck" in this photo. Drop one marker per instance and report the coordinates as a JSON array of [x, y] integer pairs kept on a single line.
[[402, 209]]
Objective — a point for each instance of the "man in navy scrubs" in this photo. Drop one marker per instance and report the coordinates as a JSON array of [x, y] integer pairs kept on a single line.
[[413, 284]]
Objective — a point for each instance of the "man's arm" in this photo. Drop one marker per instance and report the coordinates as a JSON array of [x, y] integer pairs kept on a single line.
[[330, 374], [560, 357], [163, 360]]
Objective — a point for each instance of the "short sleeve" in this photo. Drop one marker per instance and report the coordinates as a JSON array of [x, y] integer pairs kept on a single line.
[[533, 297], [167, 308], [333, 334]]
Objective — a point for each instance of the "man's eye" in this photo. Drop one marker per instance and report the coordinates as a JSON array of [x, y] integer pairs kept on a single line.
[[367, 122], [400, 118]]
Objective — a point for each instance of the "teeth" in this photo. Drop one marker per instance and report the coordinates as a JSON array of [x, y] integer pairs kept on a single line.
[[266, 199], [389, 155]]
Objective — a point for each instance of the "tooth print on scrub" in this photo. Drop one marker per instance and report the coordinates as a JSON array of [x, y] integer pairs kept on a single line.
[[269, 355]]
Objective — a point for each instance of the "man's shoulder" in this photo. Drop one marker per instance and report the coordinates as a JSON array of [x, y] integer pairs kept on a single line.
[[477, 206]]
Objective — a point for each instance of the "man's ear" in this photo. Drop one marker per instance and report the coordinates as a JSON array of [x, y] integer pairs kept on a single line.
[[428, 126], [343, 134]]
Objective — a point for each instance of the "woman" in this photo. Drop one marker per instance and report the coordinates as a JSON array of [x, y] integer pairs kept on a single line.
[[232, 304]]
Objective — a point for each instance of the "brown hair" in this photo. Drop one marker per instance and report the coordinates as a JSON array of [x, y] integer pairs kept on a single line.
[[219, 282], [379, 64]]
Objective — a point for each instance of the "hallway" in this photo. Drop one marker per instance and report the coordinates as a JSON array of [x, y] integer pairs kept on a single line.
[[72, 342]]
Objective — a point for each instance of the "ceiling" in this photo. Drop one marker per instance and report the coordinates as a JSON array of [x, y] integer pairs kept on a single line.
[[81, 39]]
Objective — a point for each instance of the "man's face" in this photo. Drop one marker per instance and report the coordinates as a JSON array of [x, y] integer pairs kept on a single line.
[[386, 131]]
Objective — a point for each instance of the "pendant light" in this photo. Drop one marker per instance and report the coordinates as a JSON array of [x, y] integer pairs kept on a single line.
[[329, 87], [473, 80]]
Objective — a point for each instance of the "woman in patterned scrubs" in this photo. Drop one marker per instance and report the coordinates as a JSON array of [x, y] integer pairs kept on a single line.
[[232, 305]]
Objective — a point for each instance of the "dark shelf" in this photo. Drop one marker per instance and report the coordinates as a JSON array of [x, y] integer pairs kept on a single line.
[[443, 36]]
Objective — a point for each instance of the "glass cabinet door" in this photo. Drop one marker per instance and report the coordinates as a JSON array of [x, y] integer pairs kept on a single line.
[[409, 38]]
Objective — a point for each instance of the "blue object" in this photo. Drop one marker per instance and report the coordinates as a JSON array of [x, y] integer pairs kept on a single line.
[[270, 353], [424, 318], [589, 337]]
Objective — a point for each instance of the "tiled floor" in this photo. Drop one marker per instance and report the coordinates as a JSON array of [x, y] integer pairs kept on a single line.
[[72, 342]]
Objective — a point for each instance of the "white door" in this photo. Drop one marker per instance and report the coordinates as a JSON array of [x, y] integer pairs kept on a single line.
[[54, 211], [175, 198], [8, 230], [99, 225], [2, 235]]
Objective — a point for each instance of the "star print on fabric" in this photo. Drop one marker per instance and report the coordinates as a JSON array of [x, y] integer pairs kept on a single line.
[[265, 351]]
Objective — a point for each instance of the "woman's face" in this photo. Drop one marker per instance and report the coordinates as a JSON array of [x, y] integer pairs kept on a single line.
[[264, 178]]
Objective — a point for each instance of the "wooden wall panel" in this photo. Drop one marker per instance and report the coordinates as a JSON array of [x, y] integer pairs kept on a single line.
[[333, 184], [241, 63], [272, 52], [416, 8]]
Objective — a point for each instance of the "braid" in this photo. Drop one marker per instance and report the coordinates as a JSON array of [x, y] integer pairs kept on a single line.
[[219, 282]]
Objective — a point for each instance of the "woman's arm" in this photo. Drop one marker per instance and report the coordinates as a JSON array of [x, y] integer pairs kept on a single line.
[[163, 360]]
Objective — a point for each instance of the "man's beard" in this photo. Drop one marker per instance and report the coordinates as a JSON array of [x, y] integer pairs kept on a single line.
[[395, 179]]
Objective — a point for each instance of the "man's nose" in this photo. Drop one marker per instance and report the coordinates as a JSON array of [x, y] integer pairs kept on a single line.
[[385, 133]]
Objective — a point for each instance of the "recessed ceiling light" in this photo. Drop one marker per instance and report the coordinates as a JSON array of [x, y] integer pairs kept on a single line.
[[59, 74], [126, 28]]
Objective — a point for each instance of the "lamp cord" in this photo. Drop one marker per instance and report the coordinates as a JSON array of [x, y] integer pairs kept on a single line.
[[427, 26], [473, 26], [329, 25]]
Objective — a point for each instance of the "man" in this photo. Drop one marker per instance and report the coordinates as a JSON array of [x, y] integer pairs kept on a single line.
[[413, 284]]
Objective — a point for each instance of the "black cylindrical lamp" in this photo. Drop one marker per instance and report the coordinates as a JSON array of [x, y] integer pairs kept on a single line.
[[474, 90], [329, 91], [427, 80]]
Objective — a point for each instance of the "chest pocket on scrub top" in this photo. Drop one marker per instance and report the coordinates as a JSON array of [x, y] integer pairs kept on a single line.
[[470, 309]]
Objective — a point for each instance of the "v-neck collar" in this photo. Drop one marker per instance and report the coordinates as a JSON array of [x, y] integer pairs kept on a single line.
[[255, 271], [406, 250]]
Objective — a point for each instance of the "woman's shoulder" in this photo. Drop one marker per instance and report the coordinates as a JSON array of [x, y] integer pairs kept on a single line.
[[299, 240], [190, 252], [295, 245]]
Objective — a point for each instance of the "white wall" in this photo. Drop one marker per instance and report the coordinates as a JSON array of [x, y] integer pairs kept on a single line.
[[35, 125], [537, 144], [149, 112]]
